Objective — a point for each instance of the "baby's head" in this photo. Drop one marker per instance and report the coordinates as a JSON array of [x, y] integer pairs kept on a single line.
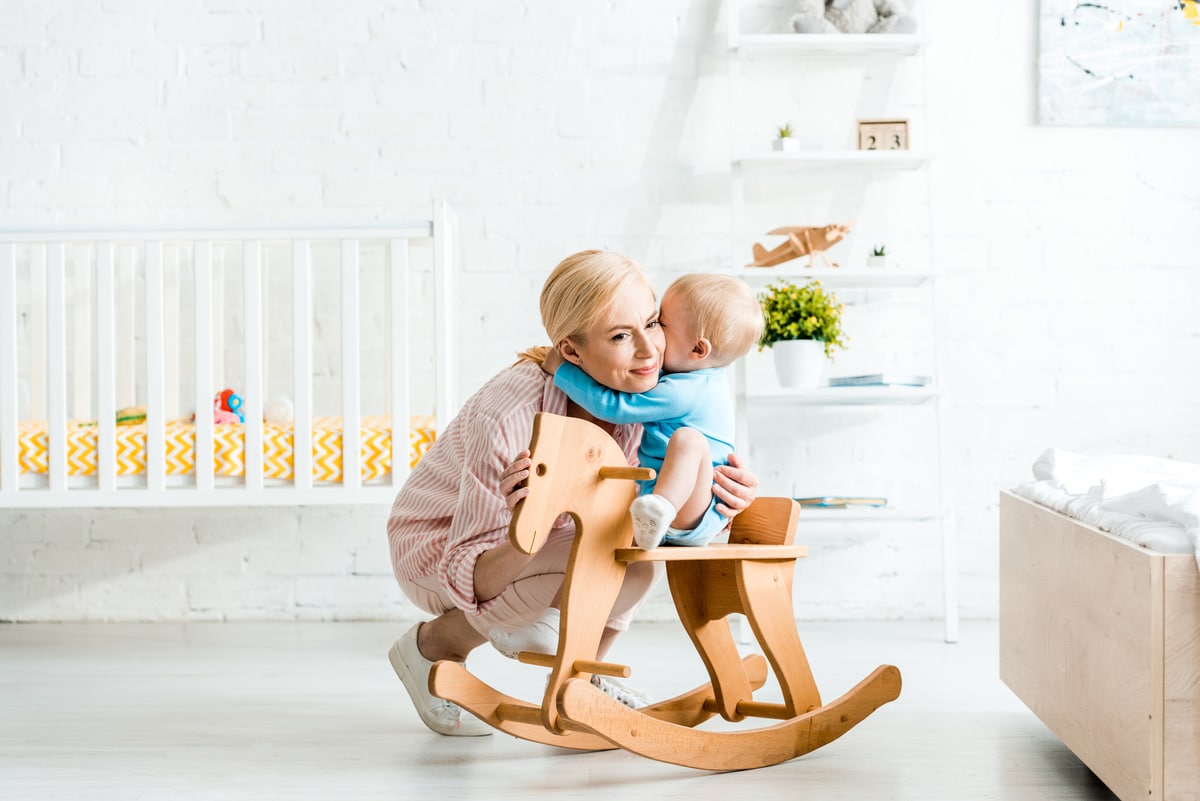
[[709, 321]]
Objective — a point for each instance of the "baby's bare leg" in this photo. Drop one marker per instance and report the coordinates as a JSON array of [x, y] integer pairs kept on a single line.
[[686, 477]]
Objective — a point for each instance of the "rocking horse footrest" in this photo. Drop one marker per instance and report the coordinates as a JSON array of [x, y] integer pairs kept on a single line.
[[716, 550], [754, 709], [581, 665]]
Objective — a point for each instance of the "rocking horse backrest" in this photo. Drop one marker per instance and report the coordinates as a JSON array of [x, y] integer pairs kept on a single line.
[[767, 521]]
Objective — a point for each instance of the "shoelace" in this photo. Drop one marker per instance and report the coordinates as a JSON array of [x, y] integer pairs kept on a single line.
[[447, 709], [617, 692]]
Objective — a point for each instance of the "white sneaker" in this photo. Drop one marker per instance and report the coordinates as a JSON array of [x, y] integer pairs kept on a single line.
[[621, 692], [652, 515], [438, 714], [541, 636]]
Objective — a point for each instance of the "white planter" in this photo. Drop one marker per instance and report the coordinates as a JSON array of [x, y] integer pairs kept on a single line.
[[877, 261], [789, 145], [799, 362]]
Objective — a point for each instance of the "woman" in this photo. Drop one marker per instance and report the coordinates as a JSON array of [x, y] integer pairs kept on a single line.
[[448, 528]]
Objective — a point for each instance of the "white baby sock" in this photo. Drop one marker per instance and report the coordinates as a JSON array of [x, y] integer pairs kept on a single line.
[[652, 515], [541, 637]]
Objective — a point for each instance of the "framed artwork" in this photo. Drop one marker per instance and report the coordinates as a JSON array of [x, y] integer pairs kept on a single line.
[[1131, 62], [883, 134]]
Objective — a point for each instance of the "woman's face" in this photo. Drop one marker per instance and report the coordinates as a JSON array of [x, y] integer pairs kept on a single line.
[[623, 348]]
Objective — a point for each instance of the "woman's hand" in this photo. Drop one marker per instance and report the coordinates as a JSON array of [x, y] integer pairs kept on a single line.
[[552, 361], [512, 480], [735, 486]]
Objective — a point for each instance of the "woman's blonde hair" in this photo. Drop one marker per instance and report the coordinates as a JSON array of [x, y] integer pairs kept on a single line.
[[578, 291], [722, 309]]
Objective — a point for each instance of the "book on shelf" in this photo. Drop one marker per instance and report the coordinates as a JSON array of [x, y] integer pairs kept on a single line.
[[842, 502], [881, 380]]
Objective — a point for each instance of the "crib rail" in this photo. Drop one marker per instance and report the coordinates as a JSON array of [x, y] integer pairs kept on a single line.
[[94, 321]]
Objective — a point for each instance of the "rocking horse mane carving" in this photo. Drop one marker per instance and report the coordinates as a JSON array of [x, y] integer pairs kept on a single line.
[[577, 468]]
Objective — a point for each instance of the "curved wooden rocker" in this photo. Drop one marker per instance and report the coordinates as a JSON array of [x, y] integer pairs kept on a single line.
[[579, 469]]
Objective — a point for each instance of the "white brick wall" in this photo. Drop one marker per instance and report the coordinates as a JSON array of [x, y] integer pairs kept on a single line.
[[1068, 254]]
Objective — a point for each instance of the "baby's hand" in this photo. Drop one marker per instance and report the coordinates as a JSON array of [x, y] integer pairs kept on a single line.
[[553, 361]]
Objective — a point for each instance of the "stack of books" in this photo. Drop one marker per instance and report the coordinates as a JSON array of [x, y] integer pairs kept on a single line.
[[881, 380], [842, 502]]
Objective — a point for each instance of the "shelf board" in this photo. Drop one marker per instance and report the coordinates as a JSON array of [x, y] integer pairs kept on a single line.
[[810, 516], [867, 160], [845, 396], [838, 278], [825, 44]]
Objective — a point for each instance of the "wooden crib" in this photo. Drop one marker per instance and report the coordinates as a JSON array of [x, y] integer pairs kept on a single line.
[[119, 351]]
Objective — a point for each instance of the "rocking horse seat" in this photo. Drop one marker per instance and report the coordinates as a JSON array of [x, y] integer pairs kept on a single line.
[[578, 469]]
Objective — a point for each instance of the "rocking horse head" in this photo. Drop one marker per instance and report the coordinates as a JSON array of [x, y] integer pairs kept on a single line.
[[573, 464]]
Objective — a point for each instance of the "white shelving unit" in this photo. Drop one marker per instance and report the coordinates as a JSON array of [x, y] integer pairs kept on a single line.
[[832, 166]]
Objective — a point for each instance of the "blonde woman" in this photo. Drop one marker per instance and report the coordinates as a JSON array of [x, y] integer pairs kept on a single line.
[[708, 322], [448, 528]]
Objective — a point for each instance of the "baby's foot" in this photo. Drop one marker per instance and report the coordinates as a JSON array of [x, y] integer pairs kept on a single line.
[[652, 515], [541, 637]]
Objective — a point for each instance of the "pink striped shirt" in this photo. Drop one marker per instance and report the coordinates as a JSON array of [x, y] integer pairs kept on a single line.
[[450, 509]]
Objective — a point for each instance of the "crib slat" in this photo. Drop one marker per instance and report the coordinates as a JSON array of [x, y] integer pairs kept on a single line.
[[443, 288], [252, 397], [37, 331], [81, 319], [10, 478], [203, 446], [171, 316], [351, 379], [156, 454], [126, 341], [302, 363], [56, 364], [106, 369], [398, 358], [218, 330]]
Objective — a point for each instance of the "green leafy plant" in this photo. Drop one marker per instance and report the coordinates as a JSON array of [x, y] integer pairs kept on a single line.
[[880, 250], [801, 312], [785, 131]]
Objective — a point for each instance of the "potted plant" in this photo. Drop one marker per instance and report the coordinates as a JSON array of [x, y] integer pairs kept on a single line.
[[784, 140], [803, 327], [878, 257]]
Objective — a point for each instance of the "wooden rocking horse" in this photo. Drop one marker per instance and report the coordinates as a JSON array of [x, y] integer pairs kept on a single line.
[[578, 468]]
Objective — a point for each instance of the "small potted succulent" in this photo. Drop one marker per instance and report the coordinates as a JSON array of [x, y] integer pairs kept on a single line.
[[784, 140], [878, 257], [803, 327]]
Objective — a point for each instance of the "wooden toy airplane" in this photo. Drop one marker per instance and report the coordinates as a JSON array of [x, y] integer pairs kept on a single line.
[[801, 241]]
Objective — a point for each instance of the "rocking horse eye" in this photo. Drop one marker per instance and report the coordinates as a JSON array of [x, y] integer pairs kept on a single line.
[[540, 470]]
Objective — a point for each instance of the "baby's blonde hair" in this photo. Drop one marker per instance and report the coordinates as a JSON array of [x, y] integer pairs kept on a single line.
[[578, 291], [722, 309]]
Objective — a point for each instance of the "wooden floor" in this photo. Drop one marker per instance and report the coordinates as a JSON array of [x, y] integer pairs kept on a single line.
[[313, 711]]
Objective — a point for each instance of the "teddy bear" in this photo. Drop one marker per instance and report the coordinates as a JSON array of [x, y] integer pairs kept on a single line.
[[851, 16]]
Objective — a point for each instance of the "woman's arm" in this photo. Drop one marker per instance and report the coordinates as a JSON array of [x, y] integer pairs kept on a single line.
[[673, 396]]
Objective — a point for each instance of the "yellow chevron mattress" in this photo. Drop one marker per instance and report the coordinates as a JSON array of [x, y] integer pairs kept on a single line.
[[228, 448]]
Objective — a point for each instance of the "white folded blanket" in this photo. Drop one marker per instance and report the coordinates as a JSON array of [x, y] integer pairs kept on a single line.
[[1150, 501]]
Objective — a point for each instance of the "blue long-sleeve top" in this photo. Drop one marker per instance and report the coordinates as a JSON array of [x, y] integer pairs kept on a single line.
[[700, 399]]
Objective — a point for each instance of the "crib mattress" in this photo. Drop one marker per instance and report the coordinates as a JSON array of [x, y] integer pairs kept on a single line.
[[228, 448]]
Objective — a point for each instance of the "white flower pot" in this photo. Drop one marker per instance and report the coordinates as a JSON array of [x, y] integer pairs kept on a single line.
[[877, 261], [789, 145], [799, 362]]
